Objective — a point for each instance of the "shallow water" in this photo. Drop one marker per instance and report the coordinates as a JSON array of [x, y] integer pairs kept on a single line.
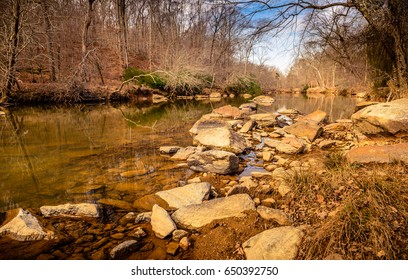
[[58, 155]]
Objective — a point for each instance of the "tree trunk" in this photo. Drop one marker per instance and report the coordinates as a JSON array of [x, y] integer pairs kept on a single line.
[[85, 39], [10, 71], [48, 32], [122, 34]]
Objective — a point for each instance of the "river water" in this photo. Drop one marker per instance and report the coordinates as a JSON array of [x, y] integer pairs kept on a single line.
[[54, 155]]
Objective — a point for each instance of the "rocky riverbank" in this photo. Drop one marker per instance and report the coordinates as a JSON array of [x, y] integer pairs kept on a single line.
[[265, 186]]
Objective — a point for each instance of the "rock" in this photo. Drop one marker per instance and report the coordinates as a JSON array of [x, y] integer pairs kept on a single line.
[[248, 126], [220, 162], [283, 121], [116, 203], [319, 117], [237, 190], [229, 111], [100, 243], [286, 146], [278, 216], [267, 155], [172, 248], [263, 117], [284, 188], [71, 210], [279, 243], [21, 225], [222, 139], [336, 127], [128, 218], [281, 173], [196, 216], [379, 154], [169, 149], [178, 234], [264, 100], [84, 239], [383, 118], [247, 182], [184, 243], [157, 98], [138, 233], [257, 136], [144, 217], [308, 129], [2, 113], [123, 249], [364, 104], [162, 224], [215, 94], [206, 123], [145, 203], [249, 107], [246, 95], [134, 173], [182, 196], [289, 112], [118, 236], [184, 153], [268, 202], [326, 144]]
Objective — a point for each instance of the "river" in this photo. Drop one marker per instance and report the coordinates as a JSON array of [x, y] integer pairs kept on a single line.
[[55, 155]]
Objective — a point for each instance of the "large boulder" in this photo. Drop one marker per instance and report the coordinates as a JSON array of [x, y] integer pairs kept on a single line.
[[162, 224], [198, 215], [379, 154], [193, 193], [318, 117], [220, 162], [221, 138], [71, 210], [383, 118], [309, 129], [281, 243], [21, 225]]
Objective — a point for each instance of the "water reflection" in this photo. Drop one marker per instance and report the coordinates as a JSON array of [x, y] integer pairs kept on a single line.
[[57, 155]]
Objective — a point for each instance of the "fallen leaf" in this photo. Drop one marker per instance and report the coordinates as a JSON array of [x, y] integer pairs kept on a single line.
[[320, 198]]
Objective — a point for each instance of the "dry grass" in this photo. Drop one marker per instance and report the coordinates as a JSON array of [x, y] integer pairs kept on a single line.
[[358, 212]]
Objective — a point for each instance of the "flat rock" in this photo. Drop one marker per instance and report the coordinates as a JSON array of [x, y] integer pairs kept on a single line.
[[71, 210], [198, 215], [263, 117], [144, 217], [286, 145], [220, 162], [249, 107], [169, 149], [162, 224], [116, 203], [278, 216], [383, 118], [248, 126], [134, 173], [179, 197], [309, 129], [184, 153], [319, 117], [281, 243], [145, 203], [379, 154], [229, 111], [326, 144], [206, 123], [364, 104], [123, 249], [221, 138], [264, 100], [21, 225]]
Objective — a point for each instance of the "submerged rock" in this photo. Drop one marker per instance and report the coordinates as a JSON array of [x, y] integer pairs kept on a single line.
[[179, 197], [162, 224], [220, 162], [116, 203], [123, 249], [71, 210], [221, 138], [383, 118], [145, 203], [281, 243], [379, 154], [21, 225], [198, 215], [169, 149]]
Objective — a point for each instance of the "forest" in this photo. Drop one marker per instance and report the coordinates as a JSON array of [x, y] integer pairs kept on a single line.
[[182, 47]]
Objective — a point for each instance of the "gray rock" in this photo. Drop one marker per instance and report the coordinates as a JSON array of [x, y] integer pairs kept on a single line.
[[124, 248], [193, 193], [162, 224], [71, 210], [196, 216], [281, 243], [21, 225], [144, 217], [383, 118], [178, 234], [220, 162], [169, 149], [221, 138], [138, 233], [273, 214]]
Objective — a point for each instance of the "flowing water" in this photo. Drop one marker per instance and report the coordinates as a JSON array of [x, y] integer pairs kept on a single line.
[[57, 155]]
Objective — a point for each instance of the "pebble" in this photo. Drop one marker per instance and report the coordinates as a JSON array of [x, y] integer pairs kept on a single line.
[[172, 248], [184, 243]]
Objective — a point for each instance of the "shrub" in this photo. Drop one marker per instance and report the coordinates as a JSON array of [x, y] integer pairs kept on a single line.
[[151, 80], [241, 85]]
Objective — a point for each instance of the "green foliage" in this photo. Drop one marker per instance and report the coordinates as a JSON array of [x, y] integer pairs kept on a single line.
[[151, 80], [305, 88], [241, 85]]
